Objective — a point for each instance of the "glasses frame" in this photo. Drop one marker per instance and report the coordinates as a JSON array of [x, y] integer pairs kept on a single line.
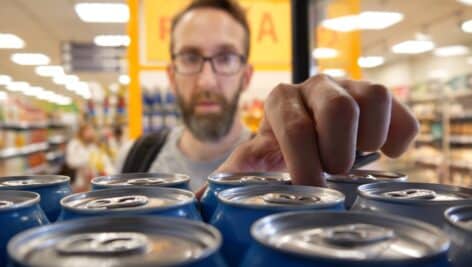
[[211, 59]]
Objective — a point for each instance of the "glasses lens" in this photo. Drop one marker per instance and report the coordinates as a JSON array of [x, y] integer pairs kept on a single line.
[[188, 63], [227, 63]]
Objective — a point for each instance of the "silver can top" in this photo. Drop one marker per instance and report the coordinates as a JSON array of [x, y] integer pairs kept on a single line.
[[416, 192], [366, 177], [351, 236], [116, 241], [127, 199], [281, 196], [141, 179], [460, 217], [250, 178], [32, 181], [12, 199]]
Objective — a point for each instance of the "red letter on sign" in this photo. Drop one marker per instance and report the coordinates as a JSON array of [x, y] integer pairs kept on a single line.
[[164, 27], [267, 28]]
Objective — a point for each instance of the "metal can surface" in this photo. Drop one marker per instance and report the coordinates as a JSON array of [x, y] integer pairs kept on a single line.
[[118, 242], [422, 201], [19, 210], [332, 239], [142, 179], [239, 208], [221, 181], [348, 183], [51, 188], [459, 228], [162, 201]]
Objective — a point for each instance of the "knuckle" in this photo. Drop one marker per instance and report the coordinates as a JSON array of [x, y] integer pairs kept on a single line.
[[280, 92], [297, 128], [344, 106], [379, 94]]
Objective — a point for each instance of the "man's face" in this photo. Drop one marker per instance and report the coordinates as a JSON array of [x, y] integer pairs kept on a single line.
[[208, 100]]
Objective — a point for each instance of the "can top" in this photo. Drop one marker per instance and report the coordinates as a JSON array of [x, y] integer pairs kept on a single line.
[[12, 199], [281, 196], [116, 241], [352, 236], [32, 181], [141, 179], [249, 178], [127, 199], [424, 193], [460, 217], [366, 176]]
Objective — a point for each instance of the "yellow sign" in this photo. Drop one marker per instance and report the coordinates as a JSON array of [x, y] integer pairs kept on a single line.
[[270, 31]]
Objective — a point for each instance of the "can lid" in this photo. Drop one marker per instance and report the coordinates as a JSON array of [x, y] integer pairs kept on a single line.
[[281, 196], [141, 179], [352, 236], [366, 176], [425, 193], [249, 178], [127, 199], [32, 181], [460, 217], [12, 199], [116, 241]]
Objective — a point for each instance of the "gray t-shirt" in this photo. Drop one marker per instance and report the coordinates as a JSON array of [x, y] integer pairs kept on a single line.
[[172, 160]]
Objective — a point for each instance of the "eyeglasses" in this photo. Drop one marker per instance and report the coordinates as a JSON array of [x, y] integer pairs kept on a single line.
[[189, 63]]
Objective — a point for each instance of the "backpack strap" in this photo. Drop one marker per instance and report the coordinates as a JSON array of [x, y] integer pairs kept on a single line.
[[144, 151]]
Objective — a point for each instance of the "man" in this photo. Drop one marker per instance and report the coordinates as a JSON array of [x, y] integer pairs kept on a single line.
[[308, 128]]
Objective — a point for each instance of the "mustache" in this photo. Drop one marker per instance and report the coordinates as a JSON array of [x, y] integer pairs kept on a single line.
[[208, 96]]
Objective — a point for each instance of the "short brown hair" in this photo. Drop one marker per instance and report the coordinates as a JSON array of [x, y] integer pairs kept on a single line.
[[229, 6]]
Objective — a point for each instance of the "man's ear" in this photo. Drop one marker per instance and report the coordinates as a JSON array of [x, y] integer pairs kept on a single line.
[[171, 76], [247, 76]]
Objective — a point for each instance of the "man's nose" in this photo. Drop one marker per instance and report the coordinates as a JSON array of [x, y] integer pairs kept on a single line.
[[207, 77]]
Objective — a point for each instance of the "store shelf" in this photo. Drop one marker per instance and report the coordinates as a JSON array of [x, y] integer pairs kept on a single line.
[[23, 126], [428, 164], [460, 139], [23, 151], [57, 140]]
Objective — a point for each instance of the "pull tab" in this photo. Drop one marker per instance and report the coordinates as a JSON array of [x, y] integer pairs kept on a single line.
[[103, 244], [118, 202], [146, 181], [5, 204], [412, 194], [22, 182], [258, 179], [356, 235], [282, 198]]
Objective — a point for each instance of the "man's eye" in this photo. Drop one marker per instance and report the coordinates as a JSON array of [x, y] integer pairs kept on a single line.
[[225, 59], [191, 58]]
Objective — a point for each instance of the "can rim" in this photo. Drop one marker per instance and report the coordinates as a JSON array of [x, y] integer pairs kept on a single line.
[[213, 245], [219, 177], [61, 179], [220, 195], [255, 234], [100, 180], [449, 213], [366, 191], [28, 203], [172, 191], [396, 176]]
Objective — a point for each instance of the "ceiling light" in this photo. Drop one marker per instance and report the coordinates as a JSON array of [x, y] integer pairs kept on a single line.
[[30, 59], [322, 52], [467, 26], [102, 12], [17, 86], [49, 71], [368, 20], [453, 50], [65, 79], [5, 79], [413, 47], [335, 72], [111, 40], [370, 62], [36, 90], [3, 95], [10, 41], [124, 79], [466, 2]]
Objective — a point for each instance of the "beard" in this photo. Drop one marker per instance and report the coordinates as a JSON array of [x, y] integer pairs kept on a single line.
[[213, 126]]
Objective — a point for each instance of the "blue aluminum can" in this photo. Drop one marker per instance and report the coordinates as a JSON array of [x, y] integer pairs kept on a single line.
[[51, 188], [348, 183], [164, 201], [239, 208], [19, 210], [459, 228], [220, 181], [421, 201], [118, 242], [354, 239], [174, 180]]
